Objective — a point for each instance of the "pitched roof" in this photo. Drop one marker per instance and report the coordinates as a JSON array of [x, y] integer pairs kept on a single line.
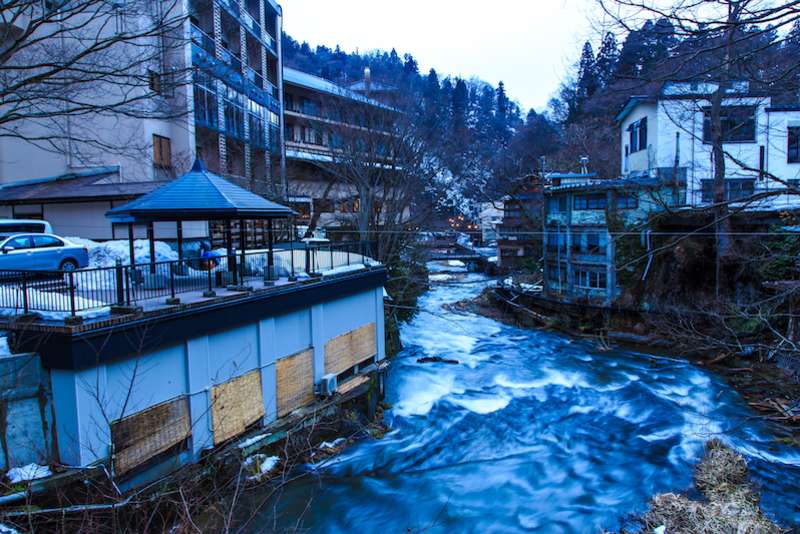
[[315, 83], [198, 195], [102, 183]]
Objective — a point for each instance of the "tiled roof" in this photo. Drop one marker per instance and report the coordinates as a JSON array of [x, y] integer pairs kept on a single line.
[[102, 183], [198, 195]]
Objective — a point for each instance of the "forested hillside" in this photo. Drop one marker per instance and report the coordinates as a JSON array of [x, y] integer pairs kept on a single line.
[[489, 144]]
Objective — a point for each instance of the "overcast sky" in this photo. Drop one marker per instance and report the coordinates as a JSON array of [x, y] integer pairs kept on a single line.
[[528, 44]]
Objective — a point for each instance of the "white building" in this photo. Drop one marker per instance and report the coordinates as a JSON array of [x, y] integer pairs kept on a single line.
[[668, 132], [226, 108]]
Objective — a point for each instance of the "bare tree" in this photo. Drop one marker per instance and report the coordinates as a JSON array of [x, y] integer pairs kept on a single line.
[[67, 66]]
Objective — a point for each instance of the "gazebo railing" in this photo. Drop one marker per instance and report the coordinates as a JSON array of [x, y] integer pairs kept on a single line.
[[60, 294]]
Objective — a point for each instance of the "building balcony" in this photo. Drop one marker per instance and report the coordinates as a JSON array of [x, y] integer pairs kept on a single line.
[[233, 8], [254, 77], [203, 40]]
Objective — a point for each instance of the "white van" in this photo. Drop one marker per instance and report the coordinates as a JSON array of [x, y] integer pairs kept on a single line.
[[9, 227]]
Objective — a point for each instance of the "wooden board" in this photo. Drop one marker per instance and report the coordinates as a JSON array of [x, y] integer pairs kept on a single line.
[[295, 381], [347, 350], [143, 435], [235, 405]]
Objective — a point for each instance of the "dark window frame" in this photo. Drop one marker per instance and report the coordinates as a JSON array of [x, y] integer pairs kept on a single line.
[[793, 144], [745, 130], [589, 201], [637, 136], [627, 201], [734, 189]]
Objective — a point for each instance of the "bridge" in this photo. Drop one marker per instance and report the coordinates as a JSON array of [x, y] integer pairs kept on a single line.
[[448, 249]]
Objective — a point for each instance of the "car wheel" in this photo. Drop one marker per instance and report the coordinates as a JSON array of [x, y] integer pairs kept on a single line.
[[68, 265]]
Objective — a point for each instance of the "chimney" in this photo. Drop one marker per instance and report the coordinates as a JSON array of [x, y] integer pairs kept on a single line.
[[367, 80]]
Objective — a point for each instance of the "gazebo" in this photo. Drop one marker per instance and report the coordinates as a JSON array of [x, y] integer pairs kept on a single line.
[[199, 195]]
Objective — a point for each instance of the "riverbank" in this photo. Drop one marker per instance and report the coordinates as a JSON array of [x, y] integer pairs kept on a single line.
[[730, 501], [766, 388]]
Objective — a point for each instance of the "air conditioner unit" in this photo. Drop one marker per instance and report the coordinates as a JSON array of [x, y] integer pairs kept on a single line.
[[328, 386]]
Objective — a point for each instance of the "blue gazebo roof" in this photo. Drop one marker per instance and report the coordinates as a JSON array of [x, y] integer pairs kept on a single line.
[[198, 195]]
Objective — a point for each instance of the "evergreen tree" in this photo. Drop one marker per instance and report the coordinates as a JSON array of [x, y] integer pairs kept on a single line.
[[588, 82], [607, 60], [459, 108]]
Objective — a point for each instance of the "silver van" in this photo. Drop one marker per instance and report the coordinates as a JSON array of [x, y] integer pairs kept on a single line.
[[9, 227]]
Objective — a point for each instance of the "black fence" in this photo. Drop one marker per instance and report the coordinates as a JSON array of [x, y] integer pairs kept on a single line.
[[59, 294]]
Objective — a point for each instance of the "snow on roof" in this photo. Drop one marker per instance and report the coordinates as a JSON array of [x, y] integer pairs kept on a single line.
[[315, 83]]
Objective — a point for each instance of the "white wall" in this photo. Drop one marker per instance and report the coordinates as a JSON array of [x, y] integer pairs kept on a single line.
[[87, 401], [641, 160]]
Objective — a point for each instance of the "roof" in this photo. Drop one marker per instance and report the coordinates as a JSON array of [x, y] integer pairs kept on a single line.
[[101, 183], [630, 105], [373, 87], [607, 184], [198, 195], [315, 83]]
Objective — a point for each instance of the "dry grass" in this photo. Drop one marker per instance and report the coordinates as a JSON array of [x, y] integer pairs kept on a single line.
[[732, 505]]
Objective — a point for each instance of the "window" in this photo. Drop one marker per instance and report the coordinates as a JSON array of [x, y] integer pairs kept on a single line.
[[162, 152], [46, 241], [627, 201], [19, 243], [154, 81], [593, 243], [637, 133], [556, 241], [594, 201], [793, 151], [557, 204], [735, 189], [591, 279], [738, 124]]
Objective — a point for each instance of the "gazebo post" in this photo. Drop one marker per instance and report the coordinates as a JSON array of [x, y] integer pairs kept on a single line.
[[243, 247], [270, 257], [131, 249], [229, 249], [152, 239], [179, 229]]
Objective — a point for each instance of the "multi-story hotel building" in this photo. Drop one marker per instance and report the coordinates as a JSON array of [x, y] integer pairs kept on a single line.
[[221, 88]]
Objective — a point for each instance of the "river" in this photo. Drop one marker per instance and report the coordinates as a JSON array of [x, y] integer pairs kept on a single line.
[[532, 432]]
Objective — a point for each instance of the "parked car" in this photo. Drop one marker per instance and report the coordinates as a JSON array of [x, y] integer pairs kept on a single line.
[[9, 227], [41, 252]]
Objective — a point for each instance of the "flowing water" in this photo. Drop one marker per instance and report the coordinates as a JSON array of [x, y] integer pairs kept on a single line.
[[533, 431]]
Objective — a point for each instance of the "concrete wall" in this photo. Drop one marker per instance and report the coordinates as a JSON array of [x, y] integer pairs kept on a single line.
[[87, 401], [26, 415]]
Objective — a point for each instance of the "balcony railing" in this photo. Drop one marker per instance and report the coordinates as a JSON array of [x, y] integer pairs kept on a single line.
[[202, 39], [251, 24], [255, 77], [231, 59], [60, 294]]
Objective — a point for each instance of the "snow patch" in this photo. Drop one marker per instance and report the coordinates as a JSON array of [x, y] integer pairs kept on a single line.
[[59, 305], [27, 473], [252, 441], [327, 445], [344, 269], [260, 465]]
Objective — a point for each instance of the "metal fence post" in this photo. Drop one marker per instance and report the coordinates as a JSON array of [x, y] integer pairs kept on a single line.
[[72, 292], [25, 292], [120, 281], [331, 250]]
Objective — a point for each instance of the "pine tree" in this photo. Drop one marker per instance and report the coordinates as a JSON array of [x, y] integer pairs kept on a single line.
[[587, 74], [607, 60], [459, 108]]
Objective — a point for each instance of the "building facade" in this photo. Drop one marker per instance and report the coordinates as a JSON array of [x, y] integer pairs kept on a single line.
[[672, 132], [225, 106], [317, 113]]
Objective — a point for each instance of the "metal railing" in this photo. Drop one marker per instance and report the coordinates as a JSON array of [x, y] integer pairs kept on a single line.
[[61, 294]]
